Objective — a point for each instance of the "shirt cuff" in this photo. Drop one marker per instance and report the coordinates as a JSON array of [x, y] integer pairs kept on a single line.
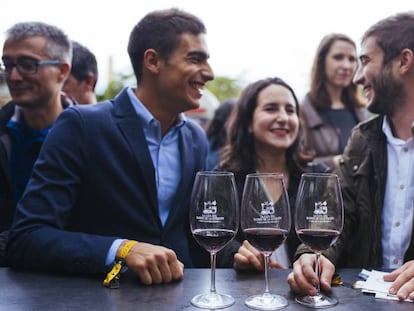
[[110, 257]]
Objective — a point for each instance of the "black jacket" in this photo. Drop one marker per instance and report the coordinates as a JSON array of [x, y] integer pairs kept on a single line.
[[7, 201]]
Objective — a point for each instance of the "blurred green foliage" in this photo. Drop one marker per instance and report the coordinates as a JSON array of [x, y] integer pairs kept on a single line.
[[115, 86], [222, 87]]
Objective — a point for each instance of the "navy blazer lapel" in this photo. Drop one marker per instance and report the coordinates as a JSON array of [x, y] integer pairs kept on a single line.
[[187, 159], [187, 152], [131, 127]]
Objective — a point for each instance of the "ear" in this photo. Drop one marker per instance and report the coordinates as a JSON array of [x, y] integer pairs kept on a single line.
[[90, 81], [152, 61], [64, 71], [406, 61]]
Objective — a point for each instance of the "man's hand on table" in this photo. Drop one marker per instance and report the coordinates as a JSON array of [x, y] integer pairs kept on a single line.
[[303, 278], [403, 281], [154, 264]]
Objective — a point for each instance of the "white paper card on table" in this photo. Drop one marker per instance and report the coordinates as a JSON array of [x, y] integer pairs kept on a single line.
[[375, 284]]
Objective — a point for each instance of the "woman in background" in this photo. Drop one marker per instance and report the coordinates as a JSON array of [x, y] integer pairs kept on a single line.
[[263, 135], [216, 132], [333, 106]]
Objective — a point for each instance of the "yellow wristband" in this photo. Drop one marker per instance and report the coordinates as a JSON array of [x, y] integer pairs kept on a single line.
[[125, 249], [112, 278]]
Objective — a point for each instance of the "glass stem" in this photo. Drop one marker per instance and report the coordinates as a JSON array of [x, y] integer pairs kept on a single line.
[[318, 254], [213, 272], [266, 263]]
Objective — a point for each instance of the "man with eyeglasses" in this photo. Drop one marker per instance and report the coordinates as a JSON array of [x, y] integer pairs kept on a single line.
[[35, 63]]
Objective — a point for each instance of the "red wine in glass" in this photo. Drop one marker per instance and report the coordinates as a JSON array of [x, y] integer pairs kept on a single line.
[[265, 221], [265, 239], [319, 218], [318, 239], [213, 239], [214, 220]]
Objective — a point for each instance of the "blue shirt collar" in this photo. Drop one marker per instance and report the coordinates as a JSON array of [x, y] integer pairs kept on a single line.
[[145, 115]]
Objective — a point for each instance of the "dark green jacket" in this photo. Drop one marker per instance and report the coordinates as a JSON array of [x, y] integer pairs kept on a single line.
[[363, 172]]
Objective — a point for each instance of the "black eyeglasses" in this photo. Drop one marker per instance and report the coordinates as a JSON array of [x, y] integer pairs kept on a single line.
[[26, 66]]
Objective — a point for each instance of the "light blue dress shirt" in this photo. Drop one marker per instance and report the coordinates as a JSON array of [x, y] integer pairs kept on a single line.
[[165, 154], [397, 214]]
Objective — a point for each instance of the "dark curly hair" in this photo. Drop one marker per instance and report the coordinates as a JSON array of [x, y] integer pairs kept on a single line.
[[238, 154]]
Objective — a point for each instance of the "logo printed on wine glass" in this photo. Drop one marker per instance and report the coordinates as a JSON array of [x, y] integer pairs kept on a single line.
[[210, 207], [267, 208], [267, 213], [265, 221], [210, 213], [320, 213], [321, 208], [214, 220], [318, 224]]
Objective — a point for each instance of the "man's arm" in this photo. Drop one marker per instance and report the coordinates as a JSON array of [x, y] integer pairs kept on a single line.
[[303, 278], [38, 238]]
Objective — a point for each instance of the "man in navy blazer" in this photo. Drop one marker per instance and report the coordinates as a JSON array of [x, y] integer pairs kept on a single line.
[[113, 180]]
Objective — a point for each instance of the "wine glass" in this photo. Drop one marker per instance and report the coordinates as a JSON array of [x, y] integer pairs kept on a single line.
[[319, 218], [265, 221], [214, 220]]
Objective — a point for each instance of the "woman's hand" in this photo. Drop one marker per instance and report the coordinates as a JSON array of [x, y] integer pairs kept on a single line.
[[249, 257]]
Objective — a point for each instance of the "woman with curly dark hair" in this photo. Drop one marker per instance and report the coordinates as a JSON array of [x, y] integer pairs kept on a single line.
[[263, 135]]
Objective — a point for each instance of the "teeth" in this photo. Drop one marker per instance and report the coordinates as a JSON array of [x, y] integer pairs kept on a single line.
[[200, 91]]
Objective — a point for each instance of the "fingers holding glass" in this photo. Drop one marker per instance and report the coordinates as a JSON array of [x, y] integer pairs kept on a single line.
[[318, 224]]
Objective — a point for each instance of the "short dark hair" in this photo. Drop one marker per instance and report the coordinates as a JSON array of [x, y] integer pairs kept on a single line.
[[83, 62], [393, 34], [161, 31], [58, 44]]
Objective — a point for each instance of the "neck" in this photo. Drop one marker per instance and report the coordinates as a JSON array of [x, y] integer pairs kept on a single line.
[[402, 120], [401, 123], [166, 117], [41, 117], [335, 94], [272, 163]]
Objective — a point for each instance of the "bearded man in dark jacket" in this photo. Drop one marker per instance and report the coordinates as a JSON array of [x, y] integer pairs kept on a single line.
[[376, 170]]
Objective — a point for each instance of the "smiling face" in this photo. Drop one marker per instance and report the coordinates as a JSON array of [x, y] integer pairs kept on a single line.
[[382, 90], [183, 76], [340, 64], [35, 89], [275, 123]]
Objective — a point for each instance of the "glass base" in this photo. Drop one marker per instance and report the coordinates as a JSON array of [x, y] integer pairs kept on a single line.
[[266, 302], [212, 301], [319, 301]]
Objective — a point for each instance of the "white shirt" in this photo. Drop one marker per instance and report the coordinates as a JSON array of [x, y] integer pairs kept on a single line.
[[397, 214]]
